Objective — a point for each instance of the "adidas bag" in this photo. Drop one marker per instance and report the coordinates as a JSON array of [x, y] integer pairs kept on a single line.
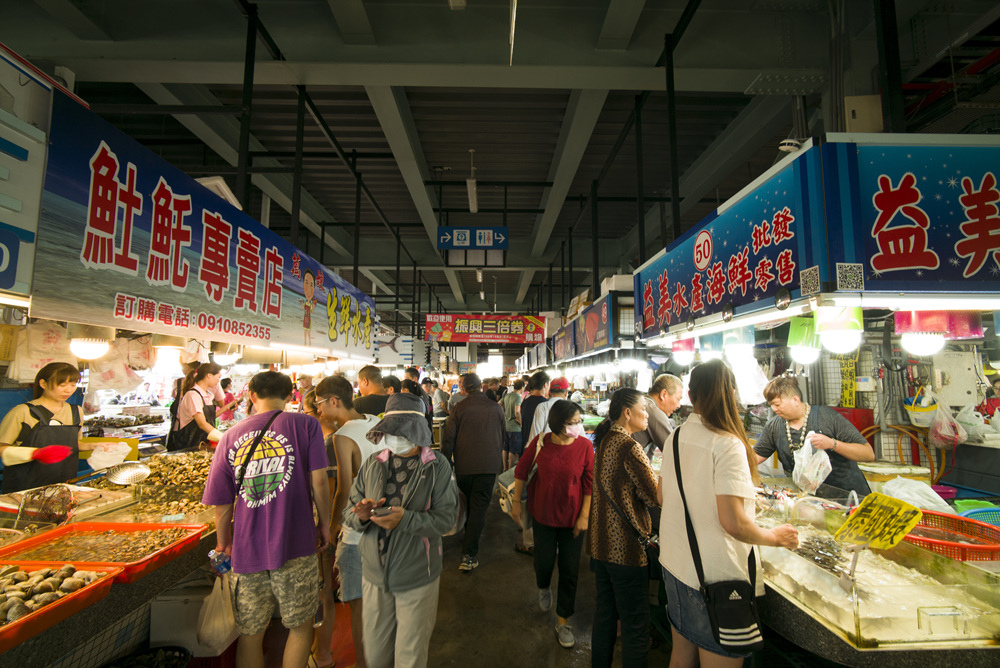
[[732, 611]]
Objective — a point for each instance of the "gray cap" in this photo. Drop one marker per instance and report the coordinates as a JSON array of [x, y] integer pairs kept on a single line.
[[405, 415]]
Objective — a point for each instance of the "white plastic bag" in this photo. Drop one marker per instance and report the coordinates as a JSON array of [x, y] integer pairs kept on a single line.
[[917, 493], [216, 624], [973, 422], [107, 454], [811, 466], [945, 433]]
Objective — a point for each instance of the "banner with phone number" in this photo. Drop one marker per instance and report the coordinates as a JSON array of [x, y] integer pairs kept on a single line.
[[128, 241]]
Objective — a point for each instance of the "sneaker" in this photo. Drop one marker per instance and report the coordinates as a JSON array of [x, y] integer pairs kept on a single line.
[[468, 564], [545, 599], [565, 634]]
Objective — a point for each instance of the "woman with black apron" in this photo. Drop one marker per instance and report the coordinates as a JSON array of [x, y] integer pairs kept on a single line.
[[196, 411], [40, 439]]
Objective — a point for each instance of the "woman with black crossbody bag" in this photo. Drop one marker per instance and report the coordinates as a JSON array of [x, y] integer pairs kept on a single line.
[[707, 490]]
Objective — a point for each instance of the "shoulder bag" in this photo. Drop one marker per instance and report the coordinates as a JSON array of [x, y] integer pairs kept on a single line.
[[253, 448], [731, 604], [650, 544]]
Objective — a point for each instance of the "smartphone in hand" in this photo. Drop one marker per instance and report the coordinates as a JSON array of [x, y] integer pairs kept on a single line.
[[381, 511]]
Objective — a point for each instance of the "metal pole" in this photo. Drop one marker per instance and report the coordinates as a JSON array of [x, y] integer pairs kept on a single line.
[[562, 290], [640, 206], [675, 198], [420, 296], [322, 243], [399, 246], [550, 286], [357, 224], [595, 250], [890, 74], [413, 303], [569, 263], [242, 173], [300, 124]]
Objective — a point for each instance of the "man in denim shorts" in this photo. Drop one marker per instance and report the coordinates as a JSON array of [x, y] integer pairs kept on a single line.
[[267, 525]]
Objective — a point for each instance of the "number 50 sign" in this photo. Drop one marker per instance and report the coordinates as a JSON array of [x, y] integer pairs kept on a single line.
[[702, 250]]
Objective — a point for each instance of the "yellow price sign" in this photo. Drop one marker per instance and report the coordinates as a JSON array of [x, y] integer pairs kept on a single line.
[[880, 522]]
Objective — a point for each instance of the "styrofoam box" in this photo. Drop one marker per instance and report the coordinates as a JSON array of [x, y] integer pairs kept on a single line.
[[173, 620]]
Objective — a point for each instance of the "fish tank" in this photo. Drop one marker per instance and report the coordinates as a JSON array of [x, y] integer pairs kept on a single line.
[[905, 596]]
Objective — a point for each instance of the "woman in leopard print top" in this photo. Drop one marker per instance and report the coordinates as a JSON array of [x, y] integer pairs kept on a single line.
[[621, 470]]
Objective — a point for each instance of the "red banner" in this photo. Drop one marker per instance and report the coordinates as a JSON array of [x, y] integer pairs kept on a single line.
[[486, 328]]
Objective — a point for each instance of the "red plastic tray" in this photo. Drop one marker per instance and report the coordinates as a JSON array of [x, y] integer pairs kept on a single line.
[[34, 623], [130, 571], [961, 526]]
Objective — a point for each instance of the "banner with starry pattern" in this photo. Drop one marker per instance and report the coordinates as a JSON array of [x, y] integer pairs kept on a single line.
[[917, 218], [741, 255]]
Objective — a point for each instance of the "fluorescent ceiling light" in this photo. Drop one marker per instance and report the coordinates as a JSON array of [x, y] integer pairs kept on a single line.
[[479, 275], [470, 184], [916, 302], [300, 349], [14, 300], [757, 317]]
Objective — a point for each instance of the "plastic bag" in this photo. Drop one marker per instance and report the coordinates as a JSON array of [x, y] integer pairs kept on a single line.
[[945, 433], [107, 454], [916, 493], [216, 624], [973, 423], [811, 466]]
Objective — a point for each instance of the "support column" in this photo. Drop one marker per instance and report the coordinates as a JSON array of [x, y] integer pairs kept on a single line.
[[399, 246], [357, 218], [300, 124], [413, 304], [595, 249], [420, 293], [675, 179], [890, 76], [640, 206], [569, 264], [550, 286], [562, 258], [243, 163]]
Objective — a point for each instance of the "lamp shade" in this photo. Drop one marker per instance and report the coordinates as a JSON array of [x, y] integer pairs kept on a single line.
[[89, 342], [840, 329], [803, 341], [953, 325], [683, 351]]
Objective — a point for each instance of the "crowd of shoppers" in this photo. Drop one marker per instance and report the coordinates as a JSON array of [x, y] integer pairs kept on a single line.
[[382, 499]]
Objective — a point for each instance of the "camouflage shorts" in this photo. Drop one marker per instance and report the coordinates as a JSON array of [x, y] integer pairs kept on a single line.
[[294, 588]]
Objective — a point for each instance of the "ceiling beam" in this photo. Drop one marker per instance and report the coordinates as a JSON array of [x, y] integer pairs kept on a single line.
[[72, 17], [396, 120], [688, 79], [352, 20], [619, 24]]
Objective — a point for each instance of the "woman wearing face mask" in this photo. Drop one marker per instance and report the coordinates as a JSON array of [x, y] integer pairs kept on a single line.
[[559, 502], [40, 439], [403, 500]]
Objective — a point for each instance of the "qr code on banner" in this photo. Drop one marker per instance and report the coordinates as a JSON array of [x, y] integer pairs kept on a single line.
[[809, 281], [850, 277]]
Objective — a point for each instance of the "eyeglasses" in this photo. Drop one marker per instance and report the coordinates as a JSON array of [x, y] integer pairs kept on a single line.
[[320, 402]]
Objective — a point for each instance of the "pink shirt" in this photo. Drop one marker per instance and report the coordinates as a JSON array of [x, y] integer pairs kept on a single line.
[[193, 402]]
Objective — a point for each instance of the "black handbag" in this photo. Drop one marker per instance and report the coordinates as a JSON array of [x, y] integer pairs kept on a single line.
[[650, 544], [731, 604]]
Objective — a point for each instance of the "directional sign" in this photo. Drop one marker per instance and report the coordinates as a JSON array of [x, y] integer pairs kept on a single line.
[[469, 238]]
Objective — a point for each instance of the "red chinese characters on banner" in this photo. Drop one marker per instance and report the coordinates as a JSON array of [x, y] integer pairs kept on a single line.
[[697, 302], [146, 310], [165, 314], [680, 302], [125, 307], [762, 274], [663, 312], [168, 237], [786, 267], [272, 283], [319, 280], [902, 246], [760, 237], [739, 271], [214, 271], [648, 307], [247, 270], [779, 226], [296, 269], [982, 227], [716, 284], [107, 193]]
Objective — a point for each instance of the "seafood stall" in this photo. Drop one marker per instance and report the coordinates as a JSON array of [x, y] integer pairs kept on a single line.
[[902, 606]]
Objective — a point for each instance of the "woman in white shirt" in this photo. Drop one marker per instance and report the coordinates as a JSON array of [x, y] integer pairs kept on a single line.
[[719, 470]]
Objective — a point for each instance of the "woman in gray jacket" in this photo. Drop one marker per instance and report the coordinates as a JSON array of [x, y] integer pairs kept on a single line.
[[402, 501]]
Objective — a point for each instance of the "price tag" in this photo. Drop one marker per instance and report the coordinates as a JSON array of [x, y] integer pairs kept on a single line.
[[880, 522]]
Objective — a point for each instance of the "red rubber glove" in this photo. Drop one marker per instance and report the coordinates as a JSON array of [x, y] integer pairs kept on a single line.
[[51, 454]]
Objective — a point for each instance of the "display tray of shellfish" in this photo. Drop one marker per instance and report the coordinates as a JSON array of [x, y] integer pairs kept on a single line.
[[137, 548], [36, 595]]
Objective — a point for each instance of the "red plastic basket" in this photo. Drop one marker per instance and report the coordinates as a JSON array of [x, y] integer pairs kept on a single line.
[[34, 623], [964, 527], [130, 571]]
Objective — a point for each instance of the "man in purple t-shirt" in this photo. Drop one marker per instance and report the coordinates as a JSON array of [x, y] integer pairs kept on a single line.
[[269, 532]]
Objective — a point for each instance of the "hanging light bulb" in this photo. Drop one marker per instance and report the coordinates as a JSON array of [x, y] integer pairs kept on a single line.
[[922, 344], [684, 357], [739, 351], [804, 354], [840, 342], [89, 342], [89, 349], [840, 329]]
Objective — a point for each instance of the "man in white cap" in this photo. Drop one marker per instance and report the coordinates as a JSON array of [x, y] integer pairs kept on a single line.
[[558, 389], [401, 503]]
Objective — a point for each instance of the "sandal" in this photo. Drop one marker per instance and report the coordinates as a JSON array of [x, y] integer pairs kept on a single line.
[[529, 550], [313, 663]]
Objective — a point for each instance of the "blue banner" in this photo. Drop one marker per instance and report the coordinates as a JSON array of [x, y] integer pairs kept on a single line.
[[738, 256], [127, 240], [917, 217], [595, 328]]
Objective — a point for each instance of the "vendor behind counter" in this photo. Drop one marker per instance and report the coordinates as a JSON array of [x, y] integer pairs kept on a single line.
[[40, 439]]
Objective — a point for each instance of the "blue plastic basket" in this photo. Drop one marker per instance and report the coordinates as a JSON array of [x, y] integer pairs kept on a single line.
[[987, 515]]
